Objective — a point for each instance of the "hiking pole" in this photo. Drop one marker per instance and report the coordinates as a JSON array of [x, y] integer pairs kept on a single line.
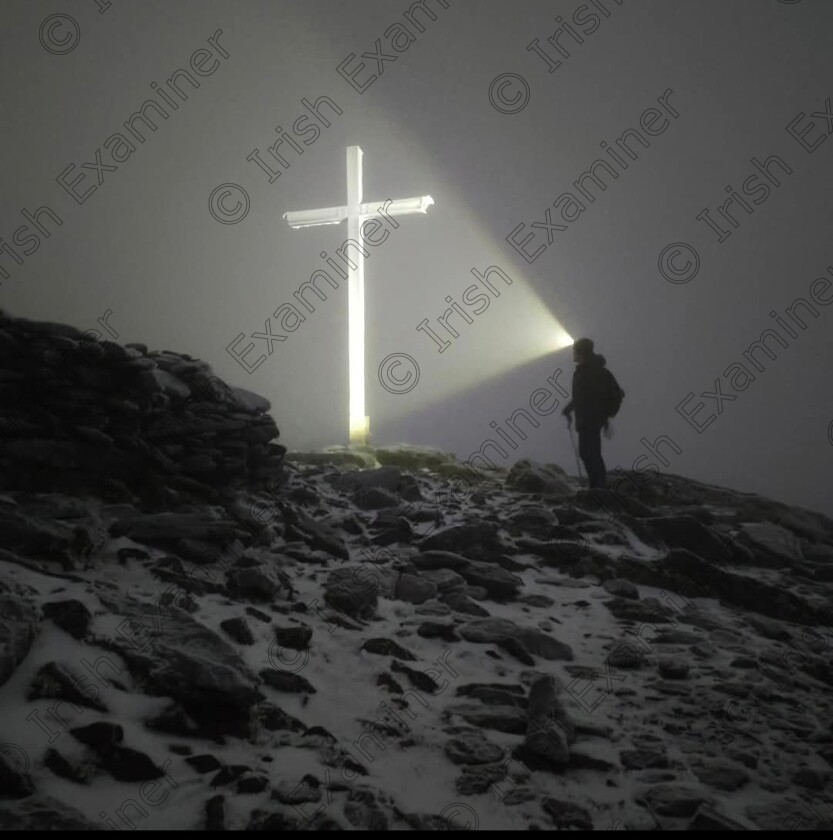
[[575, 451]]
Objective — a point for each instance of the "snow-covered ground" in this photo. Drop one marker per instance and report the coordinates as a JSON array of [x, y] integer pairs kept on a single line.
[[685, 708]]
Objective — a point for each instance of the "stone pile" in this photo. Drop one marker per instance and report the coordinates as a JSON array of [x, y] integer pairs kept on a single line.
[[79, 415]]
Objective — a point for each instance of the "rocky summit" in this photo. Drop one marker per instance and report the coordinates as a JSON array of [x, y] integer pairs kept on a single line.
[[202, 630]]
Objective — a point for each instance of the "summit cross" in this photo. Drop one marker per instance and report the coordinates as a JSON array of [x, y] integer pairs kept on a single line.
[[357, 213]]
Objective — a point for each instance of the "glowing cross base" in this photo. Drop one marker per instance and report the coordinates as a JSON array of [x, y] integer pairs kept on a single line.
[[356, 212]]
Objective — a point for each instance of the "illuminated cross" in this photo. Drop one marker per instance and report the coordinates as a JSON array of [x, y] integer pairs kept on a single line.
[[356, 212]]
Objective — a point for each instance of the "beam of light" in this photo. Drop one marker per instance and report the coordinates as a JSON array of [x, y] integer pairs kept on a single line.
[[484, 350]]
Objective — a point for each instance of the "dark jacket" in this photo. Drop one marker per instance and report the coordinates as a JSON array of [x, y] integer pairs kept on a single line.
[[589, 393]]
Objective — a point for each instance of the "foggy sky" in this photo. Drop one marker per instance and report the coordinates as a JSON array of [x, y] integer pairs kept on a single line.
[[144, 245]]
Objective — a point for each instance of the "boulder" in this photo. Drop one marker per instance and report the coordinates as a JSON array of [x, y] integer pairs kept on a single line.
[[468, 537], [492, 630], [187, 662], [546, 479], [356, 597], [414, 589], [500, 584], [471, 746], [70, 615], [43, 813], [774, 540], [19, 624]]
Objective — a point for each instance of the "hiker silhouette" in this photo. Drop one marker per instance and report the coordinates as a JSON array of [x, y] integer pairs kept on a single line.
[[596, 398]]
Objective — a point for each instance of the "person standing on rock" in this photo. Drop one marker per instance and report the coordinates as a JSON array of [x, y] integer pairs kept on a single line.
[[596, 398]]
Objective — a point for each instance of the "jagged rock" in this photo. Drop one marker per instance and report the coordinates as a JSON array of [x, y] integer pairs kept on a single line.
[[675, 637], [643, 759], [128, 765], [460, 602], [60, 766], [708, 819], [673, 800], [187, 662], [549, 731], [787, 815], [385, 478], [19, 624], [413, 589], [229, 774], [346, 592], [492, 630], [33, 537], [812, 778], [215, 813], [437, 630], [15, 782], [285, 681], [495, 694], [444, 579], [499, 583], [768, 628], [468, 537], [296, 638], [741, 590], [689, 533], [648, 610], [55, 681], [176, 721], [472, 747], [527, 476], [773, 539], [672, 669], [418, 679], [721, 774], [43, 813], [613, 503], [276, 720], [362, 811], [621, 588], [318, 535], [204, 763], [70, 615], [296, 793], [374, 498], [386, 647], [536, 521], [255, 585], [252, 784], [509, 719], [162, 528], [239, 630], [440, 560], [479, 779], [567, 815], [625, 656], [274, 821]]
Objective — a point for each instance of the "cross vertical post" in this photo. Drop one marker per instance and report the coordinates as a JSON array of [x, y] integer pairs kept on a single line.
[[359, 422]]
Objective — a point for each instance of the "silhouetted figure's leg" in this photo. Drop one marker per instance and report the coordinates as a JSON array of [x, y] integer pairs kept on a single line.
[[590, 451]]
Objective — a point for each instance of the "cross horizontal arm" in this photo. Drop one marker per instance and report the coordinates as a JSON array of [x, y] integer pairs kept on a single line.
[[309, 218], [398, 206], [370, 209]]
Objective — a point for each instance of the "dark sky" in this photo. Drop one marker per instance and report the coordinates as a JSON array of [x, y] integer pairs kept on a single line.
[[144, 245]]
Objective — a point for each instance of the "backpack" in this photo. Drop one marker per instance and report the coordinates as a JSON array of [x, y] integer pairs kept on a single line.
[[613, 395]]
